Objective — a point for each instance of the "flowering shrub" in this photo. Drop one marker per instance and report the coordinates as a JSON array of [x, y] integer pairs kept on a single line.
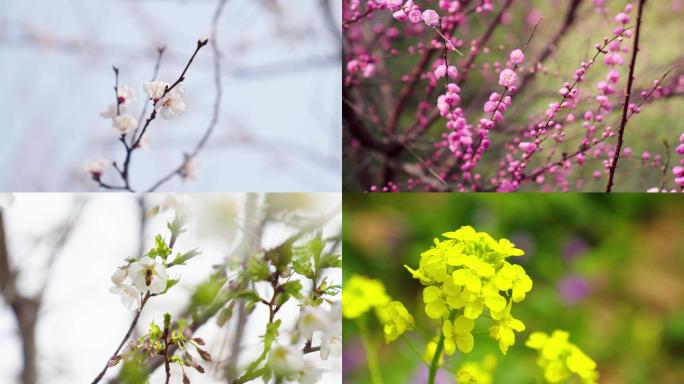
[[404, 78], [294, 273], [467, 279]]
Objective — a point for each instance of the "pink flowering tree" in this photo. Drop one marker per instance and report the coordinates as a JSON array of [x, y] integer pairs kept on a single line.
[[487, 95]]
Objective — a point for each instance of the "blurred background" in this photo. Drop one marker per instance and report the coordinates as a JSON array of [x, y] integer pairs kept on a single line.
[[63, 248], [608, 269], [279, 122]]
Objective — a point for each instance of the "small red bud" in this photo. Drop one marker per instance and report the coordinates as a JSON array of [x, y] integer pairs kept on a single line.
[[121, 99]]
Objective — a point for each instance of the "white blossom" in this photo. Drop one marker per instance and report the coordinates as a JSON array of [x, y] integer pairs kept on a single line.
[[6, 200], [111, 111], [96, 167], [148, 274], [124, 123], [313, 319], [155, 89], [119, 275], [126, 95], [310, 374], [173, 104], [285, 361], [130, 297], [331, 345]]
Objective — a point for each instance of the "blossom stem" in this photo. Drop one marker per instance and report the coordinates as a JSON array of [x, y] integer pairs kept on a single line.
[[434, 365], [128, 334], [625, 107], [371, 356]]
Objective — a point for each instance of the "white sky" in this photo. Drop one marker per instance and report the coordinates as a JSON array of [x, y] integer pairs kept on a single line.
[[56, 77], [81, 322]]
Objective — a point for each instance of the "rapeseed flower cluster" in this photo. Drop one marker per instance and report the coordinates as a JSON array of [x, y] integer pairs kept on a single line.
[[467, 275], [477, 372], [562, 360], [361, 294]]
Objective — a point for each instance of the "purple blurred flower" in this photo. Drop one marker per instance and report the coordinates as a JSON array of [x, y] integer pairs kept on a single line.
[[575, 248], [353, 356], [573, 289], [421, 376]]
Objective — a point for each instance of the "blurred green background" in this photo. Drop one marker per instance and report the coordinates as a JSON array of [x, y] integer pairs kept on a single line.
[[607, 268]]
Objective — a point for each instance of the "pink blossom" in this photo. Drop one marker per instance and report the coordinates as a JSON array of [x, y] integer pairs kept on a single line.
[[431, 18], [517, 57], [414, 16], [507, 78]]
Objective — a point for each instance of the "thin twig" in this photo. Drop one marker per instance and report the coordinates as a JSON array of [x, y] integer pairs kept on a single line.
[[625, 108], [123, 341]]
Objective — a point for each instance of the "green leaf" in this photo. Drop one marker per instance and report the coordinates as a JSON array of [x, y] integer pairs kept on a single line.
[[225, 314], [155, 331], [160, 249], [176, 226], [181, 258], [257, 269], [280, 256], [293, 288], [170, 283], [331, 261], [206, 292], [316, 246]]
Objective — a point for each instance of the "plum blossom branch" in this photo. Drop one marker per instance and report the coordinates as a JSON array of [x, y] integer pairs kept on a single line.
[[167, 100]]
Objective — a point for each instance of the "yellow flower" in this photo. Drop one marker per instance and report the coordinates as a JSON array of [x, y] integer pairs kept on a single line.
[[468, 275], [457, 334], [502, 331], [429, 353], [560, 359], [360, 294], [399, 321], [477, 372]]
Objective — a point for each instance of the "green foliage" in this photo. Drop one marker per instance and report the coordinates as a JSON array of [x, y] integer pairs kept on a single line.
[[257, 269], [133, 372], [206, 292], [181, 258], [160, 249]]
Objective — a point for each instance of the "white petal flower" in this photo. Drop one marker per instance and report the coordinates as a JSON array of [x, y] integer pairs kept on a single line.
[[111, 111], [285, 361], [119, 275], [96, 167], [173, 104], [130, 297], [126, 95], [313, 319], [310, 374], [331, 345], [155, 89], [148, 274], [124, 123], [6, 200]]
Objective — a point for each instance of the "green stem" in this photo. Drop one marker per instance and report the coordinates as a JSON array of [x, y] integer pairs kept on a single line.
[[371, 356], [435, 359]]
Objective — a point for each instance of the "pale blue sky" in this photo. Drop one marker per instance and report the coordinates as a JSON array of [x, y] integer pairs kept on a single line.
[[56, 77]]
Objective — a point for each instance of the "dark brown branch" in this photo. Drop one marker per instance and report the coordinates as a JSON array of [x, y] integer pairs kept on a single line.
[[628, 92]]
